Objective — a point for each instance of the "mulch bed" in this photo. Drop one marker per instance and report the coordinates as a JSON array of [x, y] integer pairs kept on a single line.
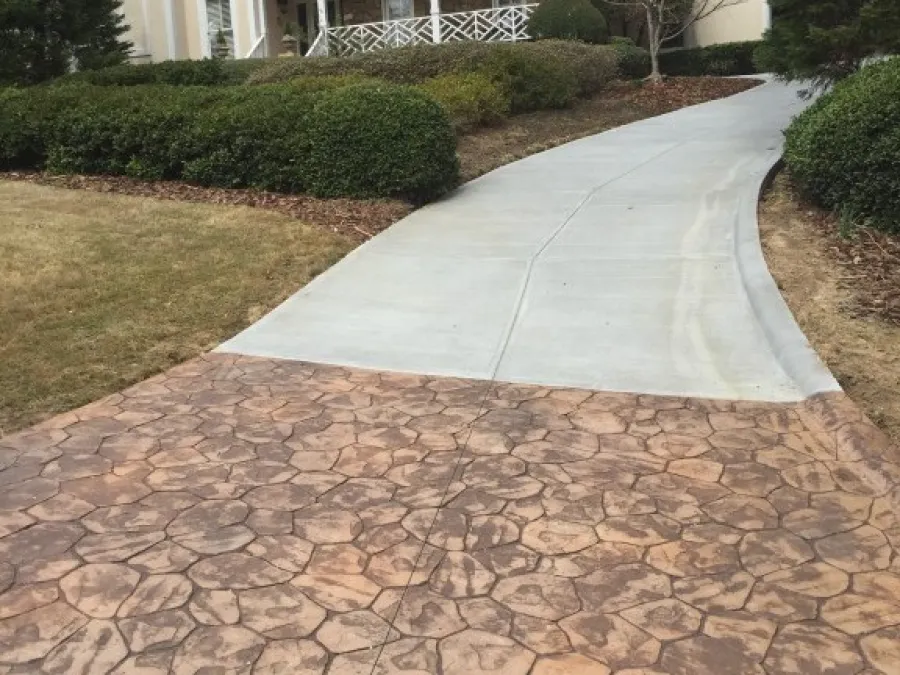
[[871, 260], [680, 92], [356, 219]]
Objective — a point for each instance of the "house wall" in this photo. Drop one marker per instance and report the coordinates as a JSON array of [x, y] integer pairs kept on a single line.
[[737, 23], [172, 29]]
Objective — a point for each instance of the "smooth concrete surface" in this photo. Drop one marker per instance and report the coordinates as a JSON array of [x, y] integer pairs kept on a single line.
[[626, 261]]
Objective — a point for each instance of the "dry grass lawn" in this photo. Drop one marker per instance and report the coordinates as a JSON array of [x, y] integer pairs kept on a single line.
[[802, 248], [98, 291]]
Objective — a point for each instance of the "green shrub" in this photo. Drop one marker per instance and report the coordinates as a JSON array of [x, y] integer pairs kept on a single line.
[[23, 119], [633, 61], [845, 149], [254, 137], [545, 73], [138, 132], [734, 58], [276, 137], [531, 79], [368, 141], [207, 72], [471, 99], [593, 67], [568, 20], [321, 83]]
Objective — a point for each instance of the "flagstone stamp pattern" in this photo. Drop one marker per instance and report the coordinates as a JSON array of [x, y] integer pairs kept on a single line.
[[240, 515]]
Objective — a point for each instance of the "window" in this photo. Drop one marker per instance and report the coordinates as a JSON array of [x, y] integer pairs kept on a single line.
[[397, 9], [221, 34]]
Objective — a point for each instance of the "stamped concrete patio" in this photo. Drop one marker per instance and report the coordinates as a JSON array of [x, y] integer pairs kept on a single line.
[[247, 515]]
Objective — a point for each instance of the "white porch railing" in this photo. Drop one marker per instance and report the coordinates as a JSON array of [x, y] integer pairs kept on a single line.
[[501, 24], [260, 49]]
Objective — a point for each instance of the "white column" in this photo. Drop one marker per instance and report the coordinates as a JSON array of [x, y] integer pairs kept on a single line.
[[203, 25], [236, 41], [170, 29], [322, 7], [436, 21]]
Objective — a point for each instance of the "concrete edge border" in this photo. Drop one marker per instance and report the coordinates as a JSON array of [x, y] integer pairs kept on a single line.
[[789, 345]]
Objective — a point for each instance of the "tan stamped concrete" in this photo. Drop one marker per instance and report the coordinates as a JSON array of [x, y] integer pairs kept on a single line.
[[242, 515]]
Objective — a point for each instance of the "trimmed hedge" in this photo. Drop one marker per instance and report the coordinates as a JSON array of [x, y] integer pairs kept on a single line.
[[844, 151], [207, 72], [471, 100], [275, 137], [733, 58], [398, 153], [568, 20], [633, 61], [545, 74]]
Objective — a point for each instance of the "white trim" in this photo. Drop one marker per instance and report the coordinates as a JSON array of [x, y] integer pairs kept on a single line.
[[767, 15], [251, 14], [322, 10], [145, 15], [170, 29], [435, 9], [203, 26], [236, 44]]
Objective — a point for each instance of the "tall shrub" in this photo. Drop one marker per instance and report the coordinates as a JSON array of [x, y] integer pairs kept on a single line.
[[370, 141], [40, 39], [827, 40], [568, 20], [844, 151]]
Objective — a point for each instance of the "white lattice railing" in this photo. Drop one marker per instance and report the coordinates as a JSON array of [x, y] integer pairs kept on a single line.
[[501, 24]]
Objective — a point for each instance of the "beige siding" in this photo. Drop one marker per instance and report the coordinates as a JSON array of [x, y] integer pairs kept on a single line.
[[148, 29], [164, 29], [743, 21]]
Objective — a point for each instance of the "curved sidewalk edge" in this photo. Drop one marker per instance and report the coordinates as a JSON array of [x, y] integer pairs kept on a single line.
[[790, 346]]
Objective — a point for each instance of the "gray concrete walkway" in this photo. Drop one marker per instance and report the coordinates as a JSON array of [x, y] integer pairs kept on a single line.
[[626, 261]]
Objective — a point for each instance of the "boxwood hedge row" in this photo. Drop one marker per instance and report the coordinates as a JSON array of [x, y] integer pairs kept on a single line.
[[364, 140]]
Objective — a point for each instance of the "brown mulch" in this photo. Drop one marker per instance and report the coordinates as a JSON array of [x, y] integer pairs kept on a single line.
[[680, 92], [869, 259], [872, 262], [356, 219]]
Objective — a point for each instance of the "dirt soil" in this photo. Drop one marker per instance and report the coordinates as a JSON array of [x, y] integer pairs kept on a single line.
[[844, 292], [486, 149]]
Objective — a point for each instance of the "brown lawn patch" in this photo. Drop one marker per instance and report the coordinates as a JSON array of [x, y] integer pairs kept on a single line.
[[845, 294], [98, 291]]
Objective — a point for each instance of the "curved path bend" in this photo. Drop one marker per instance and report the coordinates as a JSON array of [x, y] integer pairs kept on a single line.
[[626, 261], [249, 515]]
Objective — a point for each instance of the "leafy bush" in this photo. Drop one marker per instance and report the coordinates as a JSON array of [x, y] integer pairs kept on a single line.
[[593, 67], [252, 136], [734, 58], [368, 141], [208, 72], [531, 79], [471, 99], [125, 131], [844, 150], [541, 74], [276, 137], [568, 20], [633, 61], [320, 83]]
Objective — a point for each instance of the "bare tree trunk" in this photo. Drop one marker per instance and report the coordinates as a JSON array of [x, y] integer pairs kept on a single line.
[[653, 35]]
